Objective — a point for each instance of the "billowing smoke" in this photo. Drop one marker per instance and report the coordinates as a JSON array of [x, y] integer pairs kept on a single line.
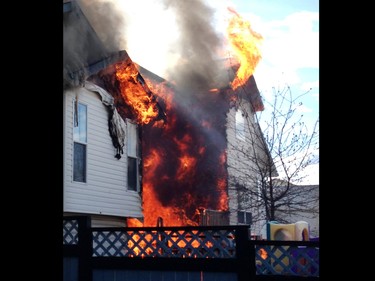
[[108, 22], [179, 35], [197, 45], [79, 38], [75, 55]]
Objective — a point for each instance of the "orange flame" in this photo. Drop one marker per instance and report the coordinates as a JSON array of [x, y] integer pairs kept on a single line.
[[136, 95], [263, 253], [152, 207], [175, 148], [133, 222], [246, 45], [140, 244]]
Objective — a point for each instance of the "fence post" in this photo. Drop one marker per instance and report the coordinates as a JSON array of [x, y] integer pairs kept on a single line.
[[245, 254], [85, 248]]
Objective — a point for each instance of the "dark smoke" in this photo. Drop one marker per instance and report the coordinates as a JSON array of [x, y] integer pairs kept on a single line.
[[86, 22], [107, 21], [197, 45]]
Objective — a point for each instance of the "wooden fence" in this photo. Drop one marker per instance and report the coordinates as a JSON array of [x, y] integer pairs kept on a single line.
[[204, 253]]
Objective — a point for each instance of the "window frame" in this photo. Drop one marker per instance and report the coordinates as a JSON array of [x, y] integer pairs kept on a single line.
[[132, 152], [245, 216], [76, 110]]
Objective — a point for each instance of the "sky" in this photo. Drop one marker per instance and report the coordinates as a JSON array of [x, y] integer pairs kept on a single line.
[[156, 32], [290, 29], [290, 53]]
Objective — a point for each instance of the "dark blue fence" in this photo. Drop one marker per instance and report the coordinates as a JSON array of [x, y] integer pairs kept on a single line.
[[210, 253]]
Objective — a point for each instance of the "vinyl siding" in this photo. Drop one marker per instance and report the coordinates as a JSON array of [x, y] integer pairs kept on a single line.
[[241, 163], [311, 217], [232, 192], [105, 191]]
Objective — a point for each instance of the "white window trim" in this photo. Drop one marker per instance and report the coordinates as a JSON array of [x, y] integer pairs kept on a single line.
[[78, 141]]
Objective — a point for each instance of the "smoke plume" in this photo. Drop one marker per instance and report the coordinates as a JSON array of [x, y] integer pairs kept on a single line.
[[107, 21], [79, 38], [197, 45]]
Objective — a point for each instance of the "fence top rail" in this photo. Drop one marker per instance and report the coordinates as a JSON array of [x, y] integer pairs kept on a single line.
[[83, 219], [75, 217], [285, 243], [171, 228]]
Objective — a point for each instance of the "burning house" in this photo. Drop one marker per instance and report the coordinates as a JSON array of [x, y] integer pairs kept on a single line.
[[193, 163], [143, 151]]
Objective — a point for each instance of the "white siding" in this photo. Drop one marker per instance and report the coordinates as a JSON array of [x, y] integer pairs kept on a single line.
[[232, 191], [239, 161], [105, 192]]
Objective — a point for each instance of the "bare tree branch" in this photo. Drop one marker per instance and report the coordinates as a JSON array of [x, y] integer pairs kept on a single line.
[[271, 155]]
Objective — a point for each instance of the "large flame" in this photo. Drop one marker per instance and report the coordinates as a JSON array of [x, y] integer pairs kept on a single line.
[[135, 92], [183, 170], [184, 157], [245, 43]]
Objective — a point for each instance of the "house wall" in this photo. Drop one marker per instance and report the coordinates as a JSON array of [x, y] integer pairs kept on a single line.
[[311, 216], [105, 192], [232, 191], [239, 160]]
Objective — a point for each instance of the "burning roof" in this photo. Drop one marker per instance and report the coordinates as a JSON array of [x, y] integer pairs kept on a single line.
[[247, 90], [86, 57]]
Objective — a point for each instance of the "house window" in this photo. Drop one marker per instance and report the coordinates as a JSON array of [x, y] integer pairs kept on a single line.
[[132, 151], [244, 217], [240, 125], [79, 142]]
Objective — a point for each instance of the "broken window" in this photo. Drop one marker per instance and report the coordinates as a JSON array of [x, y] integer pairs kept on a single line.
[[79, 142]]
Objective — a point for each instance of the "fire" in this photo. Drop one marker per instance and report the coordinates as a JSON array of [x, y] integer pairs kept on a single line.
[[187, 165], [184, 167], [183, 157], [136, 94], [133, 222], [153, 209], [245, 43], [263, 253]]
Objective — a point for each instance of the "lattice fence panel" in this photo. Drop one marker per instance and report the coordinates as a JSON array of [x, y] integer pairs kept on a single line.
[[109, 243], [287, 260], [167, 243], [70, 232]]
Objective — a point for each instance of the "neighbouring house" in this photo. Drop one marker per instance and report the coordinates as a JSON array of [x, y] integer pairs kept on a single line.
[[309, 195], [247, 156], [101, 147]]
